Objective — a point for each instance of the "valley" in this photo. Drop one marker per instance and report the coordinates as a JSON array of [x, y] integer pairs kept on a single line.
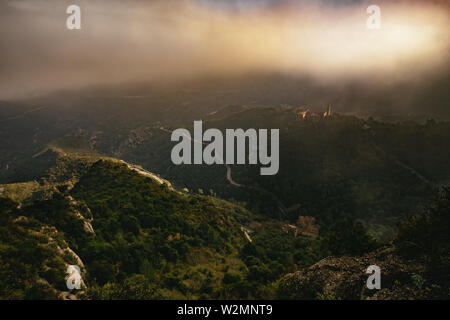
[[102, 181], [211, 151]]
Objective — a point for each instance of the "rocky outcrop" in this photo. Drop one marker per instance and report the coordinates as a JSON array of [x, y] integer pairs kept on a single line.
[[346, 278], [82, 212]]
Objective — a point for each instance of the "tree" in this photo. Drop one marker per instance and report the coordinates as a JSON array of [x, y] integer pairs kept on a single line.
[[427, 235], [349, 238]]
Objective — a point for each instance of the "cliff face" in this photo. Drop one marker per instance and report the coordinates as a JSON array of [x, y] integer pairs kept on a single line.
[[345, 278]]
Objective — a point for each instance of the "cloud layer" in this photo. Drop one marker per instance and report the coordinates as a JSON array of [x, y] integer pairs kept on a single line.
[[147, 40]]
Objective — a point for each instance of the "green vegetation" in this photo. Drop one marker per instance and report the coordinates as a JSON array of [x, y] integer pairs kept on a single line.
[[141, 226], [151, 242], [32, 265], [336, 168], [426, 236], [349, 238], [345, 183], [414, 266], [20, 192]]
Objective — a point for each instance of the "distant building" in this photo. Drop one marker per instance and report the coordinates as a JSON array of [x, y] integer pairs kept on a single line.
[[328, 112], [303, 114]]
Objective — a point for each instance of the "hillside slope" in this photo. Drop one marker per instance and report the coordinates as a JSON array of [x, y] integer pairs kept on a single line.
[[122, 223], [136, 237], [415, 266]]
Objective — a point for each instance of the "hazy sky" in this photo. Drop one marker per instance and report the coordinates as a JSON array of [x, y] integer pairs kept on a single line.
[[122, 41]]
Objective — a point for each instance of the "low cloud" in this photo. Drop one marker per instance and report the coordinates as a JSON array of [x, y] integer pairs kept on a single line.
[[146, 40]]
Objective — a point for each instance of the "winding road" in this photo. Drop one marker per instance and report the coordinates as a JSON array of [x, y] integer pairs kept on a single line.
[[280, 205], [22, 114], [399, 163]]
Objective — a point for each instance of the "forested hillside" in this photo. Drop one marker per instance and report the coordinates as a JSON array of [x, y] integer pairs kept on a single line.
[[138, 238], [343, 187], [341, 166]]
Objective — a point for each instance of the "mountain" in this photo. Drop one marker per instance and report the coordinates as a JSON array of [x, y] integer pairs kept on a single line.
[[341, 166], [136, 237], [88, 182]]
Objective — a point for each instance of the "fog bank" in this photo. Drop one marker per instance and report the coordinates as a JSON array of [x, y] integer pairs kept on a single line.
[[130, 41]]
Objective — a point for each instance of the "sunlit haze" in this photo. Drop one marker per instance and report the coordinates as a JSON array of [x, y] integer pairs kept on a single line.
[[140, 41]]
